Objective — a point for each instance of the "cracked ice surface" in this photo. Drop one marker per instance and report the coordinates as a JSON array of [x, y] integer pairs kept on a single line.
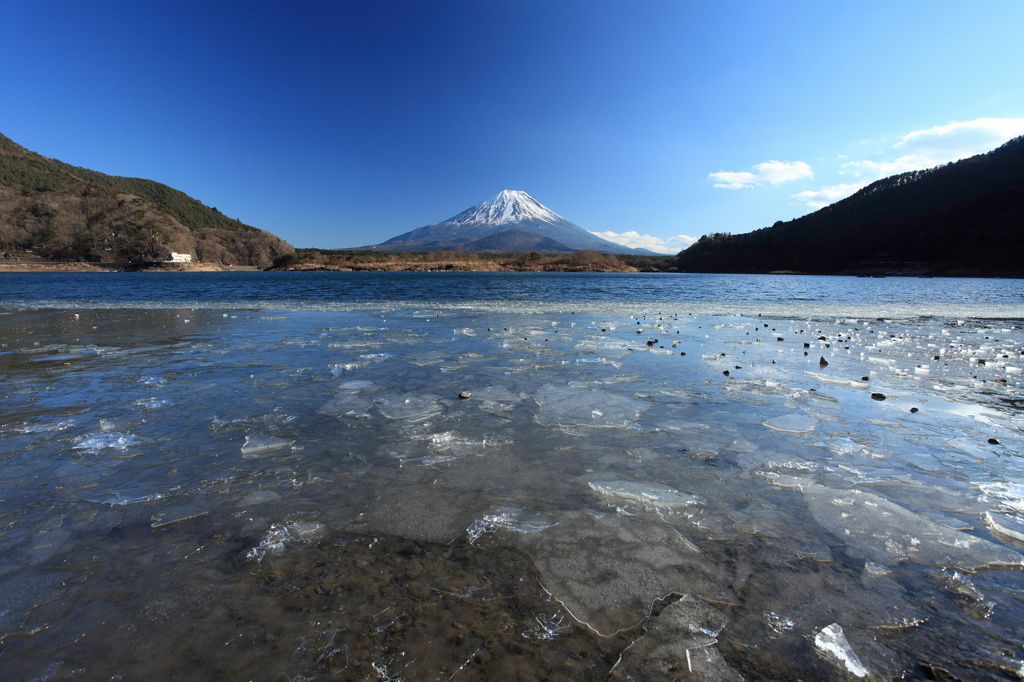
[[681, 639], [610, 472], [873, 527], [608, 570], [560, 405]]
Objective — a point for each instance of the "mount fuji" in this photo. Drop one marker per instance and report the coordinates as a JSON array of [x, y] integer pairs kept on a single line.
[[511, 221]]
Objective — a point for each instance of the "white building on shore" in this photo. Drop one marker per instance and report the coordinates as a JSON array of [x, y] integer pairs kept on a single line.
[[173, 257]]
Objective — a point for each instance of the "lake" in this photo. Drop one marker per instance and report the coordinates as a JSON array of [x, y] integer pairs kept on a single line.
[[434, 476]]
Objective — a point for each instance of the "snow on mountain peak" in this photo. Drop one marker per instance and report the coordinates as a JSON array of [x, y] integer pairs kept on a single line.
[[510, 218], [509, 206]]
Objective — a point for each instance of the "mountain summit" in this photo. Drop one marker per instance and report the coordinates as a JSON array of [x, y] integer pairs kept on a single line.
[[510, 211], [510, 206]]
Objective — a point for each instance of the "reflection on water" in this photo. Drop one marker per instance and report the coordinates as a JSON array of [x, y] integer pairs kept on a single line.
[[446, 493]]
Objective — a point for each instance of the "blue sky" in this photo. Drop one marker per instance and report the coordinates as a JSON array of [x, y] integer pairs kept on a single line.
[[338, 124]]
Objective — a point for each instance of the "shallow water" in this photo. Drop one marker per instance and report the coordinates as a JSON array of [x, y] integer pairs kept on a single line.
[[261, 485]]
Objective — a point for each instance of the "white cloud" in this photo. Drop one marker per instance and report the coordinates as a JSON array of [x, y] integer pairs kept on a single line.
[[684, 240], [635, 240], [772, 172], [940, 144], [880, 169], [828, 195], [918, 150], [960, 139]]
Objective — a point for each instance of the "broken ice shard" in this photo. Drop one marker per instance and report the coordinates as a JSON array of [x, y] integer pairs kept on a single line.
[[260, 444], [832, 641]]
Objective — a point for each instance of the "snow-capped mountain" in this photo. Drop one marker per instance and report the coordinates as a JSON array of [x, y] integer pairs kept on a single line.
[[509, 210], [510, 206]]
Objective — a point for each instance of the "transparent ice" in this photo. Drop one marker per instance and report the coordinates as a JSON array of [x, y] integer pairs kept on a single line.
[[704, 523]]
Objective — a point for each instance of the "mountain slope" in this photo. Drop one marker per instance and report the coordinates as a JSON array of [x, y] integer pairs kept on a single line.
[[964, 218], [58, 211], [509, 210], [516, 241]]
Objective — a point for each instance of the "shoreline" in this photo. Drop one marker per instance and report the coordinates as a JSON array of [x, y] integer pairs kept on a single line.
[[440, 266], [432, 266], [29, 266]]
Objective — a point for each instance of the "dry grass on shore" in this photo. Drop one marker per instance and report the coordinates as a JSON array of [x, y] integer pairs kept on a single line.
[[375, 261], [42, 266], [453, 261]]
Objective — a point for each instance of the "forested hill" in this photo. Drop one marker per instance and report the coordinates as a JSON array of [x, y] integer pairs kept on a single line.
[[52, 210], [964, 218]]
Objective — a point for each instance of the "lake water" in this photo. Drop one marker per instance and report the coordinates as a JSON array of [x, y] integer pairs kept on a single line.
[[276, 476]]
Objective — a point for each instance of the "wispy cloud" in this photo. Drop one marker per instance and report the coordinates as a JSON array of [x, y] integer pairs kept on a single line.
[[771, 172], [940, 144], [880, 169], [820, 198], [635, 240], [918, 150]]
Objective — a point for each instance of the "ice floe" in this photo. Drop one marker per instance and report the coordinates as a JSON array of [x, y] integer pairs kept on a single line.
[[408, 407], [94, 443], [882, 531], [792, 423], [648, 495], [348, 404], [679, 643], [580, 406], [280, 535], [607, 570], [508, 518], [260, 444], [357, 385], [495, 394], [48, 426], [258, 497], [1009, 496], [1002, 524]]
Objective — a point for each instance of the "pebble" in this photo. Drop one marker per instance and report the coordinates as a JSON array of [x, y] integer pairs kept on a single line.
[[465, 395]]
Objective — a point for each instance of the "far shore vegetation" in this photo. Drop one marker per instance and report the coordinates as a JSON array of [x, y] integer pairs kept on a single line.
[[366, 260], [579, 261]]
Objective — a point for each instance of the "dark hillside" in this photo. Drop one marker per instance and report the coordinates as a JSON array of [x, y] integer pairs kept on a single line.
[[964, 218], [53, 210]]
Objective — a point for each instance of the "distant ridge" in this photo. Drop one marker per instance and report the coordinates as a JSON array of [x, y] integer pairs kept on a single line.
[[56, 211], [509, 210], [964, 218]]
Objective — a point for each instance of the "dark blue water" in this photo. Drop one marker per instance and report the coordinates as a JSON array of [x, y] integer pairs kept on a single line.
[[340, 290]]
